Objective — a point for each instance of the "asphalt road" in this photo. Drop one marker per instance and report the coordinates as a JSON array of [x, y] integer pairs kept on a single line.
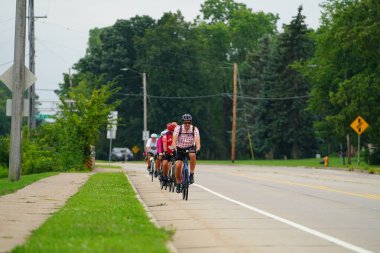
[[268, 209]]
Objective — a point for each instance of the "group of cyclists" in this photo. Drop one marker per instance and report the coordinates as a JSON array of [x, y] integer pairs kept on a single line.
[[176, 141]]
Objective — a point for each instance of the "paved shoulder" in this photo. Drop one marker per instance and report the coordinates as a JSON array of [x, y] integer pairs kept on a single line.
[[25, 210]]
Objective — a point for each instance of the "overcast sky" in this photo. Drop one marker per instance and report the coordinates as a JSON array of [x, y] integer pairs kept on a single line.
[[61, 38]]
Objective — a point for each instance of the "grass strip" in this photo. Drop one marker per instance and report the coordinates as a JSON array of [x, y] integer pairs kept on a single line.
[[104, 216], [7, 187], [334, 162]]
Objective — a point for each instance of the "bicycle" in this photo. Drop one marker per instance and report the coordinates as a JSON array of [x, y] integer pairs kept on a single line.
[[171, 175], [152, 166], [185, 176]]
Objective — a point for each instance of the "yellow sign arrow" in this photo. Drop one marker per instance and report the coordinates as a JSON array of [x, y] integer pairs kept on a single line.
[[359, 125]]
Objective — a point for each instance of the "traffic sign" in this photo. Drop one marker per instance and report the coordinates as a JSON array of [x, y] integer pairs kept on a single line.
[[145, 136], [135, 149], [112, 125], [359, 125], [7, 78], [43, 116], [25, 111]]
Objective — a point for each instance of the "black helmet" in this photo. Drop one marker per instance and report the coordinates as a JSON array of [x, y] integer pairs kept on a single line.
[[187, 117]]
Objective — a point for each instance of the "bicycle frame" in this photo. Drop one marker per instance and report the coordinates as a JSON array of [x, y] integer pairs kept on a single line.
[[185, 176]]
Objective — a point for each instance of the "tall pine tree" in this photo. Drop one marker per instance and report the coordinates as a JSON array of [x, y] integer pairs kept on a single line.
[[291, 131]]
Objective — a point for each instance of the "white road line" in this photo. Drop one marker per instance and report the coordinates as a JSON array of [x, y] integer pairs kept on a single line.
[[291, 223]]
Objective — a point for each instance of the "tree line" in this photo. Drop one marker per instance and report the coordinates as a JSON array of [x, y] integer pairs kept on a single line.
[[298, 89]]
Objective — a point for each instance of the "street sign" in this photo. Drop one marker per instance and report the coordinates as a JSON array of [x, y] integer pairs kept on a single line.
[[359, 125], [25, 112], [7, 78], [145, 135], [112, 125], [135, 149], [43, 116]]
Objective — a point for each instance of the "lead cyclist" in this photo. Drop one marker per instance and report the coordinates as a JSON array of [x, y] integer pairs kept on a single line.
[[186, 137]]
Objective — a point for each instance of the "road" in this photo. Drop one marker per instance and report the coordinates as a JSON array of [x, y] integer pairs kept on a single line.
[[268, 209]]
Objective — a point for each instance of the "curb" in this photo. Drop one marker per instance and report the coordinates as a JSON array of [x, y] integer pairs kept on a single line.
[[169, 244]]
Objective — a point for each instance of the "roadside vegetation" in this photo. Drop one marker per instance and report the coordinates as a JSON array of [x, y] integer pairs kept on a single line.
[[334, 162], [104, 216], [7, 187]]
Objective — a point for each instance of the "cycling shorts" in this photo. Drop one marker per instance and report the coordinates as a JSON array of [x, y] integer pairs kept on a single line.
[[181, 152]]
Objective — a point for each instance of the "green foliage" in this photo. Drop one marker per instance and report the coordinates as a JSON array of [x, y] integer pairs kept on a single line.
[[3, 171], [4, 150], [5, 121], [64, 145], [220, 10], [104, 216], [346, 79]]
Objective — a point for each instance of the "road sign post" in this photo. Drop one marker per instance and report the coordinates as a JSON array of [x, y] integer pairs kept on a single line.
[[359, 125], [111, 131]]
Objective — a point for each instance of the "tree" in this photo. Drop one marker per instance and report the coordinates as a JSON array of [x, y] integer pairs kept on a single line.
[[219, 10], [346, 80], [291, 130], [5, 122], [257, 86]]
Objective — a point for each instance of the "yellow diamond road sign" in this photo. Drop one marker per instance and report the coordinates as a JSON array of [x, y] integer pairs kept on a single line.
[[135, 149], [359, 125]]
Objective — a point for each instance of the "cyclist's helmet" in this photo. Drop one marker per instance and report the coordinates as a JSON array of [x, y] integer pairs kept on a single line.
[[187, 117], [170, 126], [153, 135]]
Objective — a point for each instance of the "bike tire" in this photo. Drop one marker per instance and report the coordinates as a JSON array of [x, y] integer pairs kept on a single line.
[[186, 192], [185, 189], [152, 169]]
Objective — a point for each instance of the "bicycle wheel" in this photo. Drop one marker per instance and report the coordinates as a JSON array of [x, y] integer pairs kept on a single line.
[[172, 177], [152, 165], [187, 192]]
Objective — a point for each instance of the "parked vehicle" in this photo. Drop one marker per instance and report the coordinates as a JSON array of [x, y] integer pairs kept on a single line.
[[121, 154]]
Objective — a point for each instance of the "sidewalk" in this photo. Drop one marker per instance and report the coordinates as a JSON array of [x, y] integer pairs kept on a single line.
[[25, 210]]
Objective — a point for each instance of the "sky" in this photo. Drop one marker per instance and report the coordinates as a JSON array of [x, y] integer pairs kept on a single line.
[[61, 38]]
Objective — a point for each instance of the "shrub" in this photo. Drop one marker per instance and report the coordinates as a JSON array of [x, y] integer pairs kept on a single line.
[[3, 171], [4, 150]]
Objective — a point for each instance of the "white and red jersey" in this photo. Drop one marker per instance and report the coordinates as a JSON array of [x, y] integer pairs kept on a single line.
[[168, 139], [186, 139]]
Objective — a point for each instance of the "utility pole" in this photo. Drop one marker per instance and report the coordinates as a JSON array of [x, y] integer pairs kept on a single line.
[[145, 111], [32, 51], [17, 92], [233, 141], [32, 96]]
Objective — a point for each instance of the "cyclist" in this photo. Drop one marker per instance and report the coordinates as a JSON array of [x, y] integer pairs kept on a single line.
[[186, 137], [167, 139], [151, 150]]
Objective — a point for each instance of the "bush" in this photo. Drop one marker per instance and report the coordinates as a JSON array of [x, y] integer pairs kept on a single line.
[[4, 150], [3, 171]]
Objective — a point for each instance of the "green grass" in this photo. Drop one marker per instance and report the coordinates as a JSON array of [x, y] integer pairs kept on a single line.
[[312, 162], [104, 216], [7, 187], [104, 166]]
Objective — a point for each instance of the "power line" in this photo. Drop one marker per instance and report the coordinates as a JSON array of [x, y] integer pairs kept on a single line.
[[216, 95]]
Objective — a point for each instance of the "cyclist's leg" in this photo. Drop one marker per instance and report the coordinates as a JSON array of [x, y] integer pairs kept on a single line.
[[148, 160], [193, 161]]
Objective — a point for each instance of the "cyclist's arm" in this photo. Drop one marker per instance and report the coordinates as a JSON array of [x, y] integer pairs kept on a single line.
[[197, 139], [147, 147], [164, 144], [175, 137]]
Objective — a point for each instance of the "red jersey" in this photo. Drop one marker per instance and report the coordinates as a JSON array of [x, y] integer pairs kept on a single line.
[[168, 139]]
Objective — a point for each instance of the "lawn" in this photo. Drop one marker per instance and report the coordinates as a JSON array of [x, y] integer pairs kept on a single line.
[[104, 216], [334, 162], [9, 187]]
